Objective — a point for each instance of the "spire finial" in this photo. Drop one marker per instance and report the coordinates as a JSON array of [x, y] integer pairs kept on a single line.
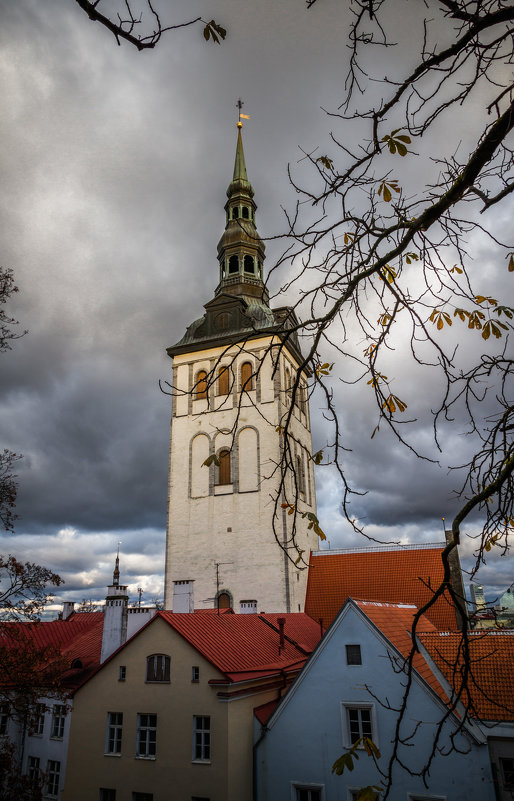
[[116, 572], [241, 116]]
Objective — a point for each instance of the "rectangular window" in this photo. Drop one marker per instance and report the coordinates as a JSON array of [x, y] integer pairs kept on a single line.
[[358, 721], [507, 766], [146, 744], [4, 718], [39, 720], [195, 673], [114, 732], [201, 738], [33, 770], [308, 793], [353, 655], [106, 794], [58, 718], [53, 771], [122, 673]]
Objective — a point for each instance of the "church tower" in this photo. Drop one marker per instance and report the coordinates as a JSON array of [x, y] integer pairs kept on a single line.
[[229, 541]]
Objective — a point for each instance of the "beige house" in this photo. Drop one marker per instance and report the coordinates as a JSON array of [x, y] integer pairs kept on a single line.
[[170, 714]]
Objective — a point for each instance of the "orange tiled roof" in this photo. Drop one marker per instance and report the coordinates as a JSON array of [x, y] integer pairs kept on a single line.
[[242, 646], [395, 622], [392, 575], [491, 677]]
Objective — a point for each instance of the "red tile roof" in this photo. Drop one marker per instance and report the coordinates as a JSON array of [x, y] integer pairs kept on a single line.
[[78, 637], [243, 646], [491, 677], [393, 575]]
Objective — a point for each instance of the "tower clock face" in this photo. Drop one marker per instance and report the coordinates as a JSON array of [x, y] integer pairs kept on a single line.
[[223, 320]]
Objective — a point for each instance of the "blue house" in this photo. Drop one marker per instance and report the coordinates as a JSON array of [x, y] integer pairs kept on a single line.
[[352, 687]]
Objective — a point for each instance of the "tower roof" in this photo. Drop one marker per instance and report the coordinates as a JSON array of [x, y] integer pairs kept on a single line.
[[240, 178]]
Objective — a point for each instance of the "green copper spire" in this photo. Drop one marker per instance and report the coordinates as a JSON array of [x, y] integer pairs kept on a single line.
[[240, 249], [239, 164]]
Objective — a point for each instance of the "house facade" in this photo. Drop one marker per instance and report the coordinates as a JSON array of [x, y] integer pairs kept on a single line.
[[170, 714], [352, 687]]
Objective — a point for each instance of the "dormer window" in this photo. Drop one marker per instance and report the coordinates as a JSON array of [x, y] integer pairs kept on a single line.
[[77, 663], [158, 668], [233, 265], [249, 264]]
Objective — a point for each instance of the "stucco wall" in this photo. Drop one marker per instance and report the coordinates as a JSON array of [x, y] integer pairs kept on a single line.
[[307, 736]]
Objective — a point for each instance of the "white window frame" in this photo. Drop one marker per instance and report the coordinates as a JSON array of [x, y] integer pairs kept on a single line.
[[39, 722], [114, 734], [204, 741], [34, 769], [58, 722], [298, 785], [345, 722], [144, 744], [54, 777]]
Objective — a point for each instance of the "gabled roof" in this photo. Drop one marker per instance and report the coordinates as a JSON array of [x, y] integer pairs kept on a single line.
[[491, 675], [399, 574], [243, 646], [395, 621]]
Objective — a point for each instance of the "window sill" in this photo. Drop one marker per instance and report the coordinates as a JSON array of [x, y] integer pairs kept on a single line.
[[158, 681], [223, 489], [146, 758], [200, 761], [112, 755], [57, 739]]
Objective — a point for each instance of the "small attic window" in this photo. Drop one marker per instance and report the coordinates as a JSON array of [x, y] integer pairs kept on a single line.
[[235, 213], [77, 663], [249, 264], [233, 264], [245, 212], [353, 655]]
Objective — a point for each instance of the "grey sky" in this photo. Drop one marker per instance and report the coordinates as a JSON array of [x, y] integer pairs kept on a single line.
[[114, 168]]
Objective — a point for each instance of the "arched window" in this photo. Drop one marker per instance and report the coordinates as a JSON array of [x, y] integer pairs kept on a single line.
[[233, 265], [249, 264], [223, 601], [245, 212], [235, 213], [201, 384], [224, 468], [223, 381], [246, 377], [158, 667]]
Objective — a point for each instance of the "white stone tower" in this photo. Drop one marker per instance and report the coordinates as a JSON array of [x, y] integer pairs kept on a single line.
[[228, 539]]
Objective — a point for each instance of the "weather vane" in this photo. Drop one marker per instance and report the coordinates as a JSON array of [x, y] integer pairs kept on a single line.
[[242, 116]]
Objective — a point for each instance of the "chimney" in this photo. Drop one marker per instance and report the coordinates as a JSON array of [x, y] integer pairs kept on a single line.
[[183, 596], [281, 625], [456, 577], [68, 609], [114, 631]]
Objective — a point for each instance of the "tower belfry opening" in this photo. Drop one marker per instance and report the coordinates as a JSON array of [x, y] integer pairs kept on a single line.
[[232, 379]]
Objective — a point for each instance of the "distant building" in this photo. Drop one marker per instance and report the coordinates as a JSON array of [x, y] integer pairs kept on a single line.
[[477, 597]]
